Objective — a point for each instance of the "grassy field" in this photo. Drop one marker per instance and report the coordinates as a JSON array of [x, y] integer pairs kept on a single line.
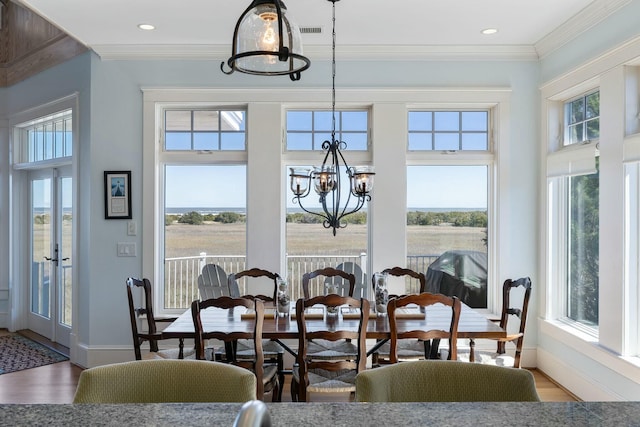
[[313, 239]]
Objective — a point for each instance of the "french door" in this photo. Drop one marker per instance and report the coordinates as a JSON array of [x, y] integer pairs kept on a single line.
[[50, 233]]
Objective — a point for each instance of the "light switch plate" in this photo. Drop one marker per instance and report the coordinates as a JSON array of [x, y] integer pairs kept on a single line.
[[126, 249], [132, 228]]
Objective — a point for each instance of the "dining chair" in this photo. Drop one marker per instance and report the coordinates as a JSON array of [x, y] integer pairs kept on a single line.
[[407, 349], [160, 381], [509, 310], [145, 313], [321, 375], [273, 352], [213, 283], [445, 381], [343, 284], [425, 299], [267, 375]]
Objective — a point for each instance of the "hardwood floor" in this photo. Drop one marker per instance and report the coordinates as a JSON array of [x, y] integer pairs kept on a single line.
[[56, 383]]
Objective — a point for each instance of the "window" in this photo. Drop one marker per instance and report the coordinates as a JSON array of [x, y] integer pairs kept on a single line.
[[582, 119], [203, 176], [46, 138], [448, 201], [205, 130], [309, 245], [573, 173], [307, 130], [583, 262], [448, 130]]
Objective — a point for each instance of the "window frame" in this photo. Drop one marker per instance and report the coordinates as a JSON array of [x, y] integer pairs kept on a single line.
[[497, 115], [564, 160]]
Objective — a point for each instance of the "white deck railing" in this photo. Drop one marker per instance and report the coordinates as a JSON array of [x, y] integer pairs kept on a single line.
[[181, 274]]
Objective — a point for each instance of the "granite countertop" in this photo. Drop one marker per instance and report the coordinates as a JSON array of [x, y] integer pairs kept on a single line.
[[331, 414]]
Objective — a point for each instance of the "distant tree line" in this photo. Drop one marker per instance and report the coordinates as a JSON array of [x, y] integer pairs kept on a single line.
[[196, 218], [454, 218]]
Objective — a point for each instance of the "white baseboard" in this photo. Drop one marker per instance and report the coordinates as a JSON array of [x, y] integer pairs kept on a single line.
[[582, 386]]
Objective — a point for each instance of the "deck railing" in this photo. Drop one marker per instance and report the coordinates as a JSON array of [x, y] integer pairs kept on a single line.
[[181, 274]]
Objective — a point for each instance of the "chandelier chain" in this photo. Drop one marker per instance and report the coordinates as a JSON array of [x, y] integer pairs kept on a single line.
[[333, 74]]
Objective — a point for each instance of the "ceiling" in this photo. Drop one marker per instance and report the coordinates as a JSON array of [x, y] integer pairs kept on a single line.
[[206, 26]]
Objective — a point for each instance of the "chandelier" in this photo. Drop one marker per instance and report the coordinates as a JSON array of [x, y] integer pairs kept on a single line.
[[266, 42], [326, 178]]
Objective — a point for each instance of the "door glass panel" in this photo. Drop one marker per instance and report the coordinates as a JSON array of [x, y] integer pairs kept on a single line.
[[65, 252], [40, 246]]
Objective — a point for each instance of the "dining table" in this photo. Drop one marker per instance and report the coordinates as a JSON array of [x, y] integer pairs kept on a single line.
[[472, 324]]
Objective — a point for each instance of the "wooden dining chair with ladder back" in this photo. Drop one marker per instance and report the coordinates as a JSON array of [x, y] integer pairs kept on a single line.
[[266, 375]]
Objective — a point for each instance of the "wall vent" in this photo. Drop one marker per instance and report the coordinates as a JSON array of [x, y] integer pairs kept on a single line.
[[310, 30]]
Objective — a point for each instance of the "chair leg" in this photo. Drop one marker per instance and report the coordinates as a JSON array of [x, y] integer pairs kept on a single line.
[[294, 390], [472, 356]]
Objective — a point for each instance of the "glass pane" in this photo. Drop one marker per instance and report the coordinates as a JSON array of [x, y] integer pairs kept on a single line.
[[576, 133], [593, 105], [355, 120], [593, 129], [68, 137], [40, 246], [474, 120], [320, 137], [323, 120], [474, 141], [66, 262], [575, 111], [58, 139], [420, 141], [232, 141], [177, 120], [355, 141], [447, 229], [299, 141], [311, 246], [420, 120], [583, 280], [299, 120], [233, 120], [205, 223], [446, 120], [205, 120], [177, 141], [205, 141], [447, 141], [48, 141]]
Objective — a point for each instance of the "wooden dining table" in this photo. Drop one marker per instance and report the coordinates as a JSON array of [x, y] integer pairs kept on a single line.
[[472, 324]]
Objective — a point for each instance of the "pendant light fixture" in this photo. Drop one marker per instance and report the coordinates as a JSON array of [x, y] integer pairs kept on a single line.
[[326, 178], [267, 42]]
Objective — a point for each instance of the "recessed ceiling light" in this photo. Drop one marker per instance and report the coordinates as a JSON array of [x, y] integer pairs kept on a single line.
[[146, 27], [488, 31]]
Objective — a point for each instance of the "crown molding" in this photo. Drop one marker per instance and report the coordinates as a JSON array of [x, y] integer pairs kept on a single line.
[[317, 52], [582, 21]]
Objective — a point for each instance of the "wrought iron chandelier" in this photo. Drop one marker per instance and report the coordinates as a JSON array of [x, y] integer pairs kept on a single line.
[[266, 42], [326, 178]]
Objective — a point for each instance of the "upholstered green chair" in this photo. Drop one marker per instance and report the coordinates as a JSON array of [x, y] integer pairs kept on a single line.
[[165, 380], [445, 381]]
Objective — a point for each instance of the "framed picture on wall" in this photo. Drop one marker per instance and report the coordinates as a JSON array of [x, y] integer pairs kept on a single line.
[[117, 195]]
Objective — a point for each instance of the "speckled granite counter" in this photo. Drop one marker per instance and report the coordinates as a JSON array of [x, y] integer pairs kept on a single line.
[[331, 414]]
